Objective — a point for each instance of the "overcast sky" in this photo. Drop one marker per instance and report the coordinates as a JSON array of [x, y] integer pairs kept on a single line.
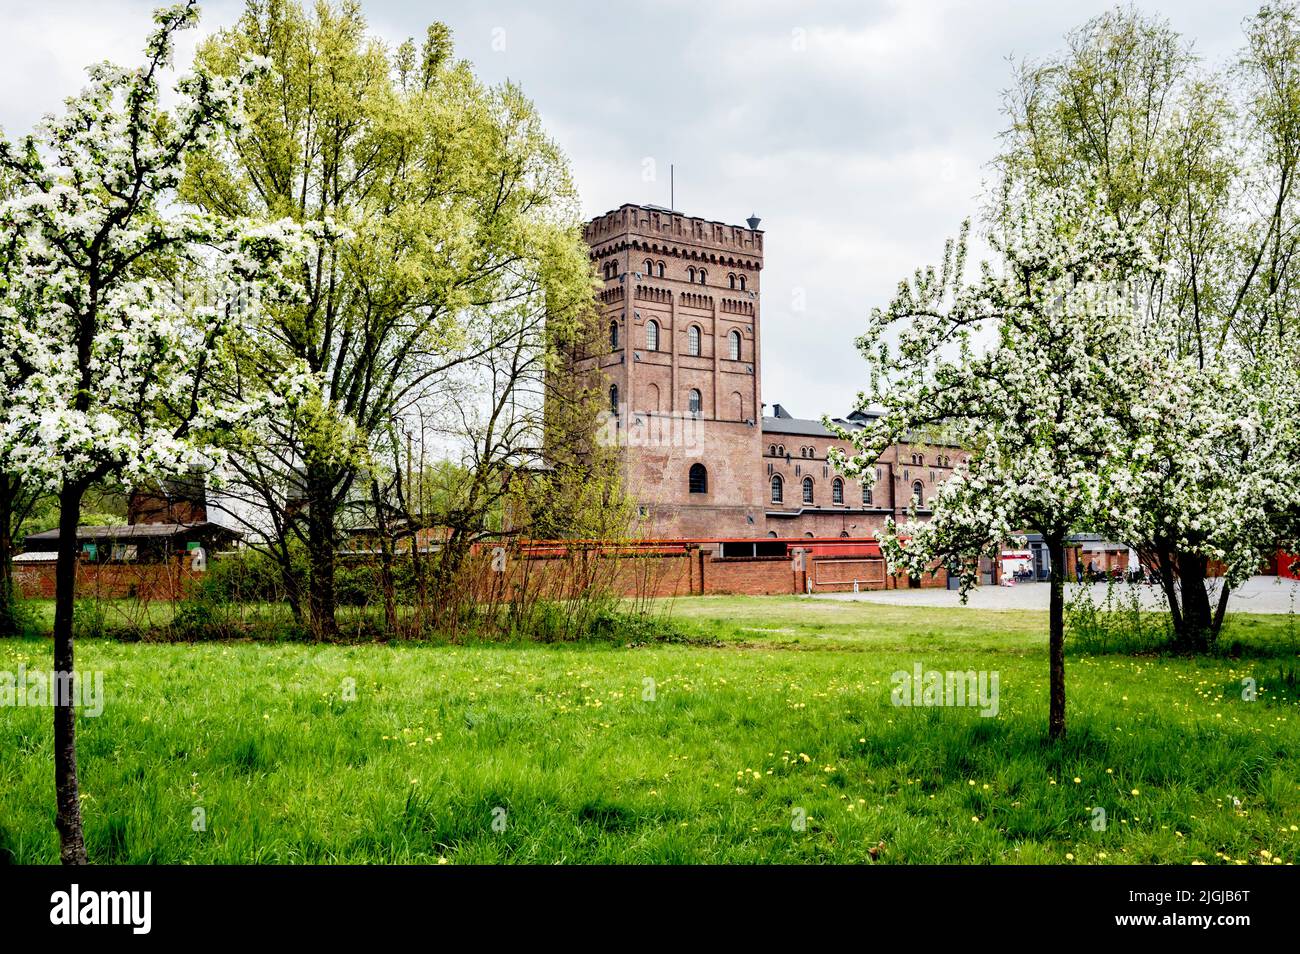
[[860, 132]]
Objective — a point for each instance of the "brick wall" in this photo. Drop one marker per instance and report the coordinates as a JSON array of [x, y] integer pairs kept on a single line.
[[146, 581], [672, 570]]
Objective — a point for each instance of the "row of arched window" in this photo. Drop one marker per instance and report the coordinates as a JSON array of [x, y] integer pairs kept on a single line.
[[698, 480], [778, 450], [694, 339], [694, 400], [653, 269], [940, 461], [837, 491]]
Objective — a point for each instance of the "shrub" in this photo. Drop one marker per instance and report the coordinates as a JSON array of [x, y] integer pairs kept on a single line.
[[1117, 624], [88, 619]]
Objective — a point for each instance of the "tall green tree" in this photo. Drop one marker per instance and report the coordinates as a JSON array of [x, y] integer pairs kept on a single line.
[[451, 206]]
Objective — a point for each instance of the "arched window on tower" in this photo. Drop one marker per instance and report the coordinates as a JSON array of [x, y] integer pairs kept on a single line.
[[660, 273], [837, 491], [778, 488], [699, 479], [733, 345], [649, 268], [918, 494], [694, 402], [690, 274], [613, 399], [652, 335], [771, 450], [703, 276], [731, 280], [742, 282], [807, 490], [613, 336], [693, 340]]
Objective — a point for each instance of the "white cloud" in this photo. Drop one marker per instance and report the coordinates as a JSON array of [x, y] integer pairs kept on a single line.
[[862, 152]]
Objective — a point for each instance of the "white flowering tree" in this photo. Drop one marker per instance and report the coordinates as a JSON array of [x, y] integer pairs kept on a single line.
[[115, 308], [1032, 367], [1204, 162], [1210, 475]]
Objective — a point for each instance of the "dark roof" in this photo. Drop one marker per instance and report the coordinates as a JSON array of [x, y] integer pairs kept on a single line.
[[783, 422], [134, 531]]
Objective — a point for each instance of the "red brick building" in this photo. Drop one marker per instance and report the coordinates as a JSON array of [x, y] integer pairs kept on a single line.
[[682, 359]]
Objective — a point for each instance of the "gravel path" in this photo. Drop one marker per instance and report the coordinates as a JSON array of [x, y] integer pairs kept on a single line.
[[1259, 594]]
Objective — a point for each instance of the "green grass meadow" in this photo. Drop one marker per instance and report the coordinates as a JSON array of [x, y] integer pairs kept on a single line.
[[777, 711]]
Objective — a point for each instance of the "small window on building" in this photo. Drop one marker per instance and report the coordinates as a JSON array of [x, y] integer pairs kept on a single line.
[[866, 495], [613, 335], [731, 281], [694, 402], [703, 276], [690, 274], [780, 451], [693, 340], [918, 492], [661, 270], [613, 399], [837, 491], [771, 450], [742, 282], [778, 488], [652, 335], [812, 452], [699, 479], [649, 268], [807, 490], [733, 345]]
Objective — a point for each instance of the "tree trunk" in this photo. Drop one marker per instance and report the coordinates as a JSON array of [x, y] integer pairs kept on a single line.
[[8, 596], [72, 842], [1056, 639], [321, 602], [385, 561], [1196, 614], [1219, 612], [421, 599], [1164, 565]]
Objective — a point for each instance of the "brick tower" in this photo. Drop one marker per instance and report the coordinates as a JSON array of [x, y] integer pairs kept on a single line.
[[680, 306]]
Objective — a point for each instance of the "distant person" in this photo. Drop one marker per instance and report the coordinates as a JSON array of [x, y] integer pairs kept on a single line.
[[1078, 571]]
